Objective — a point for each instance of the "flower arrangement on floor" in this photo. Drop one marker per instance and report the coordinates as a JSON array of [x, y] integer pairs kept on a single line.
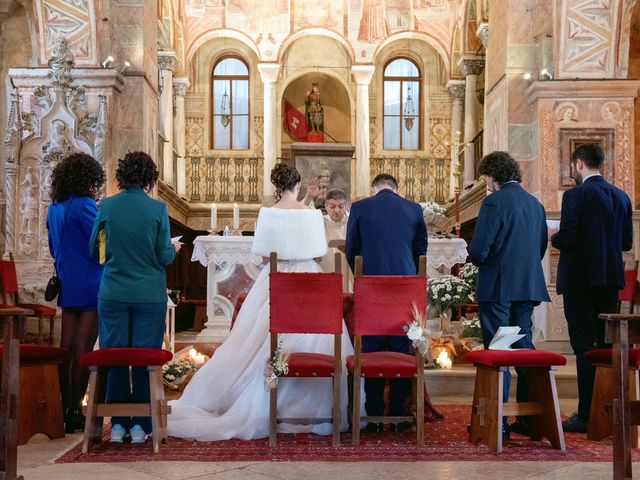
[[277, 366], [447, 292], [469, 273], [177, 373], [417, 332]]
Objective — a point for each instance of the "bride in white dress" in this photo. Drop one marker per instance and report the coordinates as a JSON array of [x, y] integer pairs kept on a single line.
[[227, 398]]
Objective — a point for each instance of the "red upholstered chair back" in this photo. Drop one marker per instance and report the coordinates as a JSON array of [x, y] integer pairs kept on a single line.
[[305, 302], [8, 277], [383, 304], [628, 293]]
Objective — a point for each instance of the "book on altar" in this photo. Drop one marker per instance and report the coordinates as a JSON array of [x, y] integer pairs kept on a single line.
[[505, 337]]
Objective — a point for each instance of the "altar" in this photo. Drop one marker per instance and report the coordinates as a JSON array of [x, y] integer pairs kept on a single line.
[[226, 257]]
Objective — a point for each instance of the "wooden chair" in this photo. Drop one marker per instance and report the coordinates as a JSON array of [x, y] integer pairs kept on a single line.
[[99, 361], [383, 305], [542, 406], [9, 298], [600, 421], [306, 303]]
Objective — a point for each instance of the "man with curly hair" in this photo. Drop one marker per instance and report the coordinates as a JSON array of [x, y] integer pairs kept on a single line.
[[509, 242]]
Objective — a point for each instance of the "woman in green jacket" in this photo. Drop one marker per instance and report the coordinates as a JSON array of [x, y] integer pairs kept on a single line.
[[132, 302]]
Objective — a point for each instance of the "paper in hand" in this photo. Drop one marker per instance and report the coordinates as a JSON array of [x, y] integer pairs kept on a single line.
[[505, 337], [553, 224], [177, 239]]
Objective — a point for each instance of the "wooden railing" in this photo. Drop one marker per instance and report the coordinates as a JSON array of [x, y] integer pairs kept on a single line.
[[224, 179], [420, 178]]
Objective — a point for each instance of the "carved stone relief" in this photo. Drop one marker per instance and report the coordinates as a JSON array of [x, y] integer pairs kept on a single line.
[[194, 135]]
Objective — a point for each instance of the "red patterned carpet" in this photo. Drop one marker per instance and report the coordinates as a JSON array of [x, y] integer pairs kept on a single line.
[[444, 440]]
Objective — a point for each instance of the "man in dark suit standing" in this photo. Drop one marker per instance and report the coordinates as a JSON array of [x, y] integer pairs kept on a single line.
[[509, 241], [595, 228], [389, 233]]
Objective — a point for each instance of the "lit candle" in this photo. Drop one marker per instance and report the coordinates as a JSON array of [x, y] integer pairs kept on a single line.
[[236, 217], [193, 353], [444, 361], [214, 217]]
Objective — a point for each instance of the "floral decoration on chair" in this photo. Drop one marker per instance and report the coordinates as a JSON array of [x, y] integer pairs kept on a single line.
[[277, 366], [417, 332]]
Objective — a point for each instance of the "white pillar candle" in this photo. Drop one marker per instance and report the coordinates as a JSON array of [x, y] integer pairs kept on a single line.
[[236, 216], [214, 217]]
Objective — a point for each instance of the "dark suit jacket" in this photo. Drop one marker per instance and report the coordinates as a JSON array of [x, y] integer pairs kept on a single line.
[[595, 227], [389, 233], [509, 241]]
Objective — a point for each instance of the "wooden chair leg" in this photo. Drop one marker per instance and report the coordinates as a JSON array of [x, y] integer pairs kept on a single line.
[[156, 422], [541, 387], [40, 334], [336, 409], [92, 427], [599, 418], [51, 328], [420, 409], [273, 417], [486, 414], [355, 427], [164, 408]]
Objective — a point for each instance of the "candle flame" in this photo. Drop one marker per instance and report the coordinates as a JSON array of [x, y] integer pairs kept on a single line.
[[443, 360]]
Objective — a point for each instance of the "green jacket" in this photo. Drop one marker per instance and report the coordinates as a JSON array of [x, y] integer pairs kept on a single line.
[[138, 247]]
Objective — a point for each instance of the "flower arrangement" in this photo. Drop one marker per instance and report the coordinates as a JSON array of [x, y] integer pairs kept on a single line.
[[417, 333], [472, 328], [176, 373], [469, 273], [447, 292], [432, 208], [277, 366]]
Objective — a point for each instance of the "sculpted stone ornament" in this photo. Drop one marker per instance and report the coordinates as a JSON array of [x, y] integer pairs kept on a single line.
[[13, 134], [61, 62], [29, 202], [58, 143]]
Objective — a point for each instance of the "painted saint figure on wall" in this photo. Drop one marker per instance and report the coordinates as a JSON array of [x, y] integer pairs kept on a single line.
[[314, 110]]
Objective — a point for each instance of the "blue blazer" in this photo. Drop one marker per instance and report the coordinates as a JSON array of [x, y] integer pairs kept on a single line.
[[79, 274], [508, 244], [595, 228], [138, 247], [389, 233]]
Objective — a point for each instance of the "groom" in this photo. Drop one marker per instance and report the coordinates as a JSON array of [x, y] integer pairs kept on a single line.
[[389, 233]]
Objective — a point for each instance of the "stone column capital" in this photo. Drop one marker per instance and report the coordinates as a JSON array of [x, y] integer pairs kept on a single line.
[[471, 64], [483, 34], [363, 74], [180, 86], [269, 72], [167, 60], [456, 88]]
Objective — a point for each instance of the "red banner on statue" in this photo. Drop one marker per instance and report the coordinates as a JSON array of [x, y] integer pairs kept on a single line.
[[294, 122]]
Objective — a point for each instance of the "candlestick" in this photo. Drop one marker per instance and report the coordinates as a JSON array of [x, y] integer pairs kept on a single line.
[[236, 217], [214, 217]]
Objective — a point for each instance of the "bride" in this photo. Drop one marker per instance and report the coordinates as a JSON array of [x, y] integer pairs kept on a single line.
[[227, 398]]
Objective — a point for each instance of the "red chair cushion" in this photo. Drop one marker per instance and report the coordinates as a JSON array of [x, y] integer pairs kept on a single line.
[[124, 357], [40, 310], [385, 365], [628, 293], [304, 364], [241, 298], [515, 358], [35, 354], [603, 356]]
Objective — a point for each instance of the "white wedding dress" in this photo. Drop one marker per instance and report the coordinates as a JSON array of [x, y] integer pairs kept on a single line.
[[227, 398]]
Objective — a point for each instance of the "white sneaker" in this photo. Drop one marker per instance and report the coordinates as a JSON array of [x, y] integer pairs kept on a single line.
[[137, 434], [117, 433]]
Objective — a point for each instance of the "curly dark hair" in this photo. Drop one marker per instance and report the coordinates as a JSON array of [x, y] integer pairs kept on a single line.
[[136, 170], [501, 167], [76, 174], [284, 177]]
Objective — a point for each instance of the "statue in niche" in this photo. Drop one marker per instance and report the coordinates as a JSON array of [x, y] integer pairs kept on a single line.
[[314, 109], [29, 203], [58, 143], [61, 62]]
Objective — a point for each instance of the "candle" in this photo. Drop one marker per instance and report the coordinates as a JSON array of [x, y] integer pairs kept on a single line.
[[214, 217], [443, 360], [236, 217]]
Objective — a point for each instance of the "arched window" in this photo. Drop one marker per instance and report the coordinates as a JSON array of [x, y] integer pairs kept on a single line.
[[402, 117], [230, 97]]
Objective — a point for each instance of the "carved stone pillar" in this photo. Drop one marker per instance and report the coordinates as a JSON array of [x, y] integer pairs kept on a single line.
[[180, 87], [483, 34], [269, 74], [362, 75], [471, 66], [167, 61], [456, 90]]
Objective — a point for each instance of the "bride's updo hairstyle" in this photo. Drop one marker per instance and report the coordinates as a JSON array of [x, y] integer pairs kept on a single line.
[[284, 177]]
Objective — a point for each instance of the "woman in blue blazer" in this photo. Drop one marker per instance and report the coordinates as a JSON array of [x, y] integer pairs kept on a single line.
[[76, 183], [133, 294]]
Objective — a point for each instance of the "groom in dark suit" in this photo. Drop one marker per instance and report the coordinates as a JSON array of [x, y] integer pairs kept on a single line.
[[595, 228], [509, 242], [389, 233]]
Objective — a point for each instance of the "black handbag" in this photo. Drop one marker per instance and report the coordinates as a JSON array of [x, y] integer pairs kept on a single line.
[[54, 286]]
